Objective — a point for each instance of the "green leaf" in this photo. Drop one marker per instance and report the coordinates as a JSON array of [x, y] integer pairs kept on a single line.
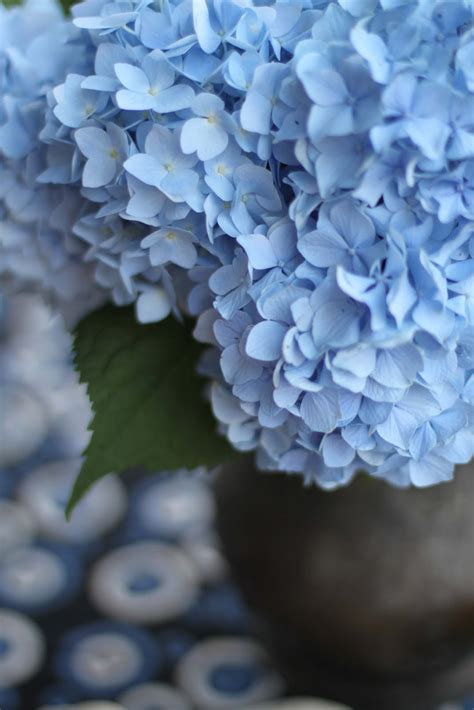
[[149, 404]]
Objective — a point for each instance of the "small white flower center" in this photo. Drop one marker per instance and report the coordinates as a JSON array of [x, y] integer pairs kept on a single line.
[[169, 167]]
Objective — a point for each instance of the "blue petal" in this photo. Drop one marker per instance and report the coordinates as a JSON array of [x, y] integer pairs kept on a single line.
[[265, 341], [337, 452], [99, 171], [320, 411], [145, 168], [153, 305], [259, 250], [93, 142], [132, 77]]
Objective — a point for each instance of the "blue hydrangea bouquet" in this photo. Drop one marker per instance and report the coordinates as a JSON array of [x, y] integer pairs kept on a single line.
[[295, 178]]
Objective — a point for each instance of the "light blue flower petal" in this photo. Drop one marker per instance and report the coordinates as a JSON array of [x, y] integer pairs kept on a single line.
[[422, 442], [359, 360], [238, 370], [132, 77], [265, 340], [93, 142], [178, 185], [153, 305], [259, 250], [206, 105], [134, 101], [337, 452], [208, 139], [322, 249], [225, 406], [207, 38], [431, 469], [255, 114], [176, 98], [398, 428], [320, 411], [372, 48], [99, 171], [145, 168], [336, 324]]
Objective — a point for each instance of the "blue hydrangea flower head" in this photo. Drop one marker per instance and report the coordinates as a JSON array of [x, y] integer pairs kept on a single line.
[[299, 177]]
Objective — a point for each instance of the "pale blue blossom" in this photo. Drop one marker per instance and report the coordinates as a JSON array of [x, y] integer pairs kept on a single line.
[[163, 165], [171, 245], [105, 151], [207, 134], [75, 105], [151, 86]]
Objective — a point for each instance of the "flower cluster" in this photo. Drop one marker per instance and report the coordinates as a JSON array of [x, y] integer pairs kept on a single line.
[[300, 178], [37, 48]]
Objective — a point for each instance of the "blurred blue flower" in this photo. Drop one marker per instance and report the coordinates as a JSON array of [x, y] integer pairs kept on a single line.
[[75, 105]]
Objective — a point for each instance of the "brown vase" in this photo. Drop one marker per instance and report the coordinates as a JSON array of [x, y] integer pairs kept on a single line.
[[367, 593]]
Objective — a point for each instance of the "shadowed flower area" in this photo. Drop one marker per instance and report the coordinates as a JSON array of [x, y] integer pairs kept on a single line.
[[298, 176]]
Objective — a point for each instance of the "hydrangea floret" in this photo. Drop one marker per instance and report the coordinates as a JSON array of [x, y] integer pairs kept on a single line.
[[297, 176]]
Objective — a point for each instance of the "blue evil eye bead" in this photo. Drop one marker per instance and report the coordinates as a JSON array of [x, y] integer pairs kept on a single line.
[[38, 579], [9, 699], [154, 696], [23, 424], [205, 552], [144, 583], [17, 527], [22, 649], [45, 491], [104, 659], [219, 609], [171, 507], [225, 673]]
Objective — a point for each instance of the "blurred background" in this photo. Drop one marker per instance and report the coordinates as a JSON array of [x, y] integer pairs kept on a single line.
[[130, 601]]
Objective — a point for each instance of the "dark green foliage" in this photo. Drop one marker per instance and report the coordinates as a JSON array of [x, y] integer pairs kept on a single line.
[[149, 406]]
